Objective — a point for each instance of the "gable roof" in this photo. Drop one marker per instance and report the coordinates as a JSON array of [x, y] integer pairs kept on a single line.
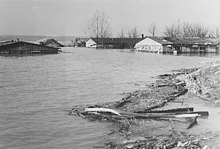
[[148, 41], [160, 40]]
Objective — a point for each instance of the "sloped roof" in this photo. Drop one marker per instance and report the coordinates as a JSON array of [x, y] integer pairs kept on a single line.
[[160, 40], [115, 41], [215, 40], [6, 42], [17, 42], [148, 41], [194, 40], [46, 41]]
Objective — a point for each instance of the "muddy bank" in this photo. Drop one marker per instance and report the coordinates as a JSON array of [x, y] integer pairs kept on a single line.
[[205, 82], [139, 120]]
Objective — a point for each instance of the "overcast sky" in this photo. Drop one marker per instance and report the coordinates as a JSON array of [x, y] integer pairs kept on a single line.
[[69, 17]]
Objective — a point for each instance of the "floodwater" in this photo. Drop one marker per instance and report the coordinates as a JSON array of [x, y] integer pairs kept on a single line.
[[37, 91]]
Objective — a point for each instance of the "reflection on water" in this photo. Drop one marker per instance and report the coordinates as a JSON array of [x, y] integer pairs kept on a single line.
[[36, 91]]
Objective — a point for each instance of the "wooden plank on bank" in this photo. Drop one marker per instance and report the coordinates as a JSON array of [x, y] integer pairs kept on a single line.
[[176, 110]]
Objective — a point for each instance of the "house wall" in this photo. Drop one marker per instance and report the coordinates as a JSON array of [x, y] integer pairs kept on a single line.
[[91, 44], [190, 49], [150, 48], [211, 49], [167, 49], [218, 49], [184, 49]]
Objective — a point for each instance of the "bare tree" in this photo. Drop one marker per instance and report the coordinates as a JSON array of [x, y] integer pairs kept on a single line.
[[121, 34], [134, 33], [186, 30], [152, 29], [217, 32], [99, 25], [214, 32], [172, 31], [199, 31]]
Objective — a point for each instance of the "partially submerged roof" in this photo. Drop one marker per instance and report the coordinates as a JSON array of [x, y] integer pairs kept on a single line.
[[8, 43], [46, 41], [194, 40], [116, 40]]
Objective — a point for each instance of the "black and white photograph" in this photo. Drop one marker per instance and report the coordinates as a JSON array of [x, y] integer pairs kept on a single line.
[[109, 74]]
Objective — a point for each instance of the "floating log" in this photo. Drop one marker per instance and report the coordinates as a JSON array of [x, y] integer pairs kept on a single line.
[[101, 110]]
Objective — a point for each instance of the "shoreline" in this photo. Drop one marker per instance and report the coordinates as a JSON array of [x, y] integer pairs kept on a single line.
[[164, 94]]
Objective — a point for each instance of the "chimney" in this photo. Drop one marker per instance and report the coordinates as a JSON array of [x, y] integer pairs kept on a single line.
[[142, 36]]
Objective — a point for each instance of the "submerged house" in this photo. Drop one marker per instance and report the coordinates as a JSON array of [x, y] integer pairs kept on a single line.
[[154, 44], [179, 45], [21, 47], [50, 42], [195, 44], [112, 43]]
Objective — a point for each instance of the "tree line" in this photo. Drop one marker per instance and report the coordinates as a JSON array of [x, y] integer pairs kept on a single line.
[[99, 26], [190, 30]]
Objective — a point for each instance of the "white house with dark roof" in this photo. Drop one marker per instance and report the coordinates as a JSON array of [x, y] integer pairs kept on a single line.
[[154, 44]]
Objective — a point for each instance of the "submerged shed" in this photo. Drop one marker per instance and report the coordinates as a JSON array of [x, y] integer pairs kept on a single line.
[[21, 47], [195, 44]]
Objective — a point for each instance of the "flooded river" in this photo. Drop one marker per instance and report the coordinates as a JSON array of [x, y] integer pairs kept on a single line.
[[37, 91]]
